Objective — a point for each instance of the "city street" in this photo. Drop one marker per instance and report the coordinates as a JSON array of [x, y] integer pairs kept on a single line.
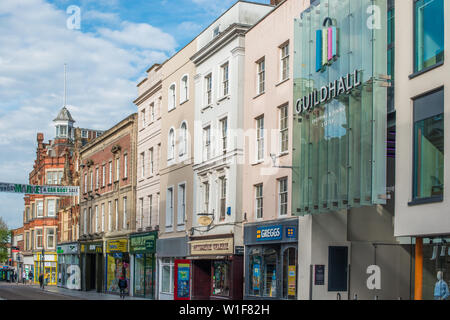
[[12, 291]]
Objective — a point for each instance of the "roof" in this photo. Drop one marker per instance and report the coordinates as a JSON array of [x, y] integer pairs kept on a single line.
[[64, 115]]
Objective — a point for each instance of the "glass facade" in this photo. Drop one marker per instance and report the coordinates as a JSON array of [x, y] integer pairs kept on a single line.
[[428, 33], [340, 98], [436, 257], [429, 146]]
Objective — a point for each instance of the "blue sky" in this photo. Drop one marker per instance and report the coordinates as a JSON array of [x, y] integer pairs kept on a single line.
[[106, 58]]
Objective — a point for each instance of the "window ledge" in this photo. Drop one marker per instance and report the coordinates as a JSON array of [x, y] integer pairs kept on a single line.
[[259, 95], [227, 97], [207, 107], [282, 81], [419, 73], [423, 201], [183, 102], [258, 162]]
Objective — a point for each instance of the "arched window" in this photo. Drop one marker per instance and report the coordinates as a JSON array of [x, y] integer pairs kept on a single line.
[[171, 145], [184, 89], [172, 96], [183, 139]]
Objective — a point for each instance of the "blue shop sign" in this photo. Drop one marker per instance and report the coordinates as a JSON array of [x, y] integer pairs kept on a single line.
[[269, 233]]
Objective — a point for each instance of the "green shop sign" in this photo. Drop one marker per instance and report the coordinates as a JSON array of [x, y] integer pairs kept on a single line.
[[40, 190], [340, 106], [143, 243]]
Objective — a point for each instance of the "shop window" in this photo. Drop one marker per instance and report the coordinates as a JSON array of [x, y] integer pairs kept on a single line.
[[221, 278], [143, 275], [290, 274], [270, 272], [428, 33], [429, 146], [263, 266], [166, 276], [337, 268], [117, 266], [255, 273]]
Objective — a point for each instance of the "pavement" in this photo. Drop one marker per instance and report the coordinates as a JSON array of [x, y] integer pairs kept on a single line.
[[14, 291]]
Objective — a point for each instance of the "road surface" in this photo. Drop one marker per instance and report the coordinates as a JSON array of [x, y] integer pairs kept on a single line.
[[12, 291]]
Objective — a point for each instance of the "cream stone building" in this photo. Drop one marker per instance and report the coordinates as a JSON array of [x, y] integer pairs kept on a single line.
[[175, 164]]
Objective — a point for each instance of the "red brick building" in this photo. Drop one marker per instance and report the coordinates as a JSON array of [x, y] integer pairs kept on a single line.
[[55, 164], [107, 204]]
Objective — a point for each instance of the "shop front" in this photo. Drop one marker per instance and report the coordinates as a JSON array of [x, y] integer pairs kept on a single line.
[[92, 265], [28, 264], [168, 251], [69, 275], [117, 264], [434, 257], [142, 251], [271, 260], [217, 271], [46, 264]]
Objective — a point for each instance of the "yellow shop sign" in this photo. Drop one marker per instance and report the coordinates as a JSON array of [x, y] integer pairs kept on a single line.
[[117, 245]]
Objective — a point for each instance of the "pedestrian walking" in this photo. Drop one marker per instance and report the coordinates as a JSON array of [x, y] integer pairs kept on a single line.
[[122, 285], [30, 276], [24, 277], [441, 291], [41, 281]]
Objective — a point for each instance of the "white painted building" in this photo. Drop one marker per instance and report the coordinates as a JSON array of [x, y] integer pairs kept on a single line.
[[219, 107]]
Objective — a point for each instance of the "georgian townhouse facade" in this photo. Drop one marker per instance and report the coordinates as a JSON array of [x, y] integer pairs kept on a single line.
[[176, 160], [218, 154], [108, 206], [149, 104]]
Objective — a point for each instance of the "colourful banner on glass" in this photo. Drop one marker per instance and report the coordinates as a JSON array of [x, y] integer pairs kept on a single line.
[[326, 46]]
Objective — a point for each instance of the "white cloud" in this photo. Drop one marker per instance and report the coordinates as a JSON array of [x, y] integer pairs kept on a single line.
[[140, 35], [103, 72]]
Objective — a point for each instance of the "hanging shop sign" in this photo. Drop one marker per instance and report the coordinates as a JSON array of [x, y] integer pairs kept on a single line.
[[212, 247], [41, 190], [333, 90]]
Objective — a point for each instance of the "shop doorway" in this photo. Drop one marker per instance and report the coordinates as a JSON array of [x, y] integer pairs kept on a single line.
[[201, 279], [90, 272]]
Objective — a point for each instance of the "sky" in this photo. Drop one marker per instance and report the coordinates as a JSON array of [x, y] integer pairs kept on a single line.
[[107, 52]]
